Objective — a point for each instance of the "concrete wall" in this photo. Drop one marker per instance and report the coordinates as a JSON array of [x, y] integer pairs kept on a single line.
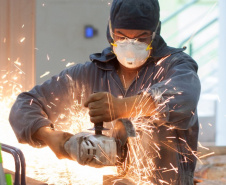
[[60, 33]]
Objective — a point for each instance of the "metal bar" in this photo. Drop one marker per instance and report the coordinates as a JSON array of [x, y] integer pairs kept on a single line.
[[199, 31], [179, 11], [2, 174], [22, 163], [190, 49], [17, 163]]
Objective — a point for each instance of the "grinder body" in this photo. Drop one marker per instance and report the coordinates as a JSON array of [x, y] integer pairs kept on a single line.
[[93, 150], [98, 150]]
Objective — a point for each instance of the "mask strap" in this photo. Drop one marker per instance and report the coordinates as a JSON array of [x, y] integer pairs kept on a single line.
[[114, 44], [149, 46], [153, 37], [156, 29], [110, 29], [111, 33]]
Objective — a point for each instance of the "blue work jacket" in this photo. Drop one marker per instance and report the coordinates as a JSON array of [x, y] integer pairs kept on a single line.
[[169, 76]]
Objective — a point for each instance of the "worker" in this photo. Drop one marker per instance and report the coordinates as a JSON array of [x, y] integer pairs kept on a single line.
[[138, 75]]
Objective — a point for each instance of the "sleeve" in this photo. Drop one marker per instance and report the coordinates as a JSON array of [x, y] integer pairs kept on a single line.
[[44, 103], [176, 92]]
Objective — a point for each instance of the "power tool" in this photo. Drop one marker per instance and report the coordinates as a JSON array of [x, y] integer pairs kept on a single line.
[[98, 150]]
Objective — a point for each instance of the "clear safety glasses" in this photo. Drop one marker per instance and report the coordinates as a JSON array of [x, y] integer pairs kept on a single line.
[[139, 43], [122, 39]]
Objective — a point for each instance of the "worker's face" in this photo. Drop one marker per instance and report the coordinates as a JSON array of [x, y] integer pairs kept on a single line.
[[132, 47]]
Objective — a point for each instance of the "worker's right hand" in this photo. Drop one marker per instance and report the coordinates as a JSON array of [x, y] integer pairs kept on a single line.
[[55, 140]]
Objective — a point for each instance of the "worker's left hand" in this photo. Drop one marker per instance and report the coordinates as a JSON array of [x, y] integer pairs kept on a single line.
[[103, 107]]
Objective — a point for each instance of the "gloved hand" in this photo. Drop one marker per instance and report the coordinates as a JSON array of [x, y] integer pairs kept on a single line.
[[104, 107]]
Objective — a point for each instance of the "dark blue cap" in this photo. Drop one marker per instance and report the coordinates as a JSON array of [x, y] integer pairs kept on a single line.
[[135, 14]]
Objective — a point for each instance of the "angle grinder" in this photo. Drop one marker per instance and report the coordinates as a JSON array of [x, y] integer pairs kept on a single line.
[[98, 150]]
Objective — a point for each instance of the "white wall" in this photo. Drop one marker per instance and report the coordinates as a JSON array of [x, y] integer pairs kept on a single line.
[[221, 114], [60, 33]]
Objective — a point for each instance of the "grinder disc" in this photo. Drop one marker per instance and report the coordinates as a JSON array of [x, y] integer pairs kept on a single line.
[[122, 130]]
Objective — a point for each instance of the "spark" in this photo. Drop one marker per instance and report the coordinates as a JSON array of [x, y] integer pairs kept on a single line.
[[171, 137], [210, 124], [70, 64], [167, 81], [22, 39], [173, 169], [53, 104], [182, 140], [69, 77], [200, 145], [157, 146], [45, 74], [162, 59], [22, 26], [162, 181], [104, 154], [206, 155], [192, 113], [63, 60], [19, 69], [17, 62], [47, 56], [4, 76], [161, 69], [31, 101], [174, 106]]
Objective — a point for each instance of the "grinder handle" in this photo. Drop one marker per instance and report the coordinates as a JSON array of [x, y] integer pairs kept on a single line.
[[98, 128]]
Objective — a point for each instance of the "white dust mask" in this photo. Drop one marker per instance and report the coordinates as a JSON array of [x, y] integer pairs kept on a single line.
[[131, 53]]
